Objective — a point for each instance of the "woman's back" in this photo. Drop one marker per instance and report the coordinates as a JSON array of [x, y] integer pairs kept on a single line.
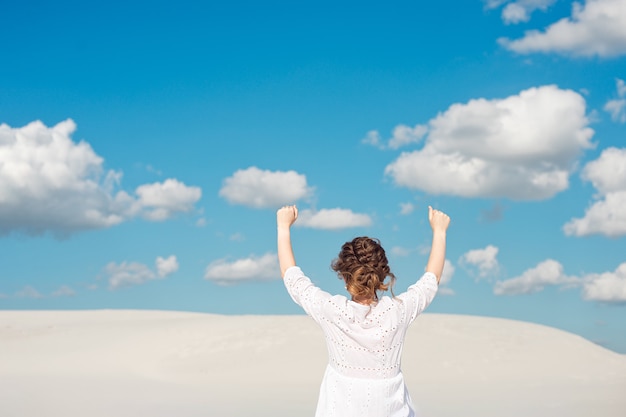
[[364, 342]]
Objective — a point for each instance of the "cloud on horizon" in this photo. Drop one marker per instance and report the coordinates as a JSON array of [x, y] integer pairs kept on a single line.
[[49, 183], [606, 287], [127, 274], [523, 147], [31, 292], [546, 273], [254, 268], [596, 28]]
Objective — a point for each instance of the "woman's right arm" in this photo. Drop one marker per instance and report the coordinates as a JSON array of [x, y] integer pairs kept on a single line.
[[439, 222], [285, 217]]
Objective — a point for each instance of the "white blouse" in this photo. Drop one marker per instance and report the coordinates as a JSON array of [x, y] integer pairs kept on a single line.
[[363, 376]]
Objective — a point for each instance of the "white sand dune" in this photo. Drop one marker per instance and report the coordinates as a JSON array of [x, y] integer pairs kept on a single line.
[[161, 364]]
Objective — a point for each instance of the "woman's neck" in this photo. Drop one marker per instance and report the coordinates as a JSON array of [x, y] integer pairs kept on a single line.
[[364, 301]]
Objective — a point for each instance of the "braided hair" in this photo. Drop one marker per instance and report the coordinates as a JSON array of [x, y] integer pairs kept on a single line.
[[362, 264]]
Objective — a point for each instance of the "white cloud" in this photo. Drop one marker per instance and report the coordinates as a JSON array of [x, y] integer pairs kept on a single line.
[[332, 219], [126, 274], [258, 188], [406, 208], [483, 259], [606, 215], [373, 138], [492, 4], [621, 87], [617, 107], [548, 272], [523, 147], [64, 291], [161, 200], [166, 266], [596, 28], [253, 268], [609, 287], [515, 13], [29, 292], [135, 273], [608, 172], [403, 135], [49, 183], [520, 10]]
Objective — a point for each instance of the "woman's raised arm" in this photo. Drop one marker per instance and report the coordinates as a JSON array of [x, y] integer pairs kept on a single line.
[[285, 217], [439, 222]]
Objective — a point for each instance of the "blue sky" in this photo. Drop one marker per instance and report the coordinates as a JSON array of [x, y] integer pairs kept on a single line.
[[145, 147]]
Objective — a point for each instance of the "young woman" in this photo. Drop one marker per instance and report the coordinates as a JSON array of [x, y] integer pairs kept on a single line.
[[364, 334]]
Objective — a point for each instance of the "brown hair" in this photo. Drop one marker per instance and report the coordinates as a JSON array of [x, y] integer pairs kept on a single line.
[[362, 264]]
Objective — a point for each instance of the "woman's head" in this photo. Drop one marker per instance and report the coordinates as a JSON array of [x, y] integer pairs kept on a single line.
[[362, 264]]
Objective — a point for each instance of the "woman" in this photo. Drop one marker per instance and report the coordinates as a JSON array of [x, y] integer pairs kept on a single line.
[[364, 334]]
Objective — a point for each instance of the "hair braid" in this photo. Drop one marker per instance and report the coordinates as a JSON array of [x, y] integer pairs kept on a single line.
[[362, 264]]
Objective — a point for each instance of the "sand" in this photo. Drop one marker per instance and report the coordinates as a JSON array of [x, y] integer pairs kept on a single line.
[[158, 364]]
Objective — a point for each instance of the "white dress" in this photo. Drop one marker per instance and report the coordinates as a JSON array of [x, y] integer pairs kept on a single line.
[[363, 376]]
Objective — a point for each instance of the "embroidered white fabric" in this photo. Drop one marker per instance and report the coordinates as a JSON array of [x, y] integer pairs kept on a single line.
[[363, 376]]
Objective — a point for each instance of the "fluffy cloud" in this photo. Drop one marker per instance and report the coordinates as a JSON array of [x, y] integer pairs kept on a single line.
[[520, 10], [597, 28], [402, 135], [332, 219], [135, 273], [608, 287], [606, 215], [617, 107], [48, 183], [166, 266], [548, 272], [159, 201], [263, 268], [258, 188], [523, 147], [482, 259]]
